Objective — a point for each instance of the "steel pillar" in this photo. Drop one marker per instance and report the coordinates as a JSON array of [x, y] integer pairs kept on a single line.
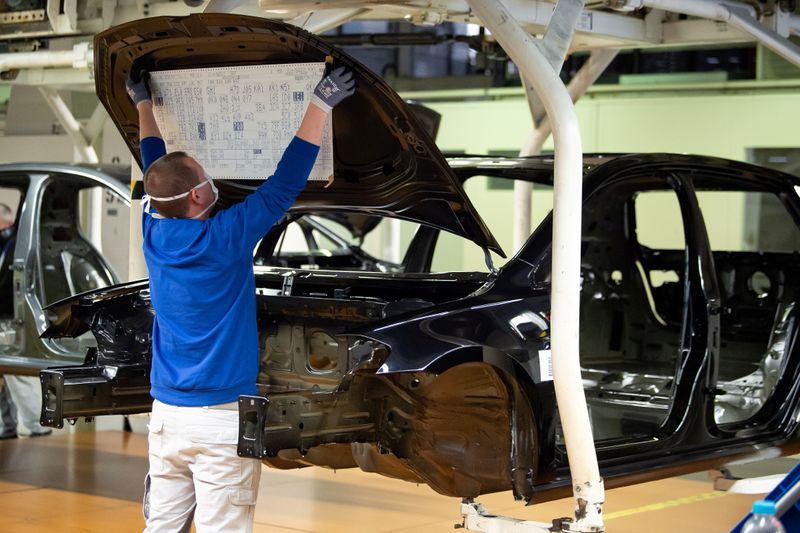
[[94, 127], [80, 57], [137, 268], [565, 290], [82, 139], [554, 46], [577, 87], [86, 153]]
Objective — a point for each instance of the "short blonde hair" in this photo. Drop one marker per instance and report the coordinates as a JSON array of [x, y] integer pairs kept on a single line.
[[170, 176]]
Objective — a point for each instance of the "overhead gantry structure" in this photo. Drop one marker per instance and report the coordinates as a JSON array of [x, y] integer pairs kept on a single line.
[[51, 39], [536, 35], [616, 24]]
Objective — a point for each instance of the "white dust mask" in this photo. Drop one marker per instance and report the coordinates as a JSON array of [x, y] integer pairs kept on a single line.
[[147, 198]]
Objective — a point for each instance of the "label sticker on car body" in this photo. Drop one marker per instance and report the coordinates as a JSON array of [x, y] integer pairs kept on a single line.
[[545, 365]]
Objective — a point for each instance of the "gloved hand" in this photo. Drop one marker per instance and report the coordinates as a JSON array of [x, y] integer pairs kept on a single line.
[[333, 88], [138, 90]]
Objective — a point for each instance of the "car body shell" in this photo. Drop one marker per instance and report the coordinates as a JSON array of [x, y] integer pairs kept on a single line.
[[461, 325], [22, 268], [441, 378]]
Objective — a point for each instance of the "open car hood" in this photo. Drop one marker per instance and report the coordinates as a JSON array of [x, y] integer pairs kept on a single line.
[[385, 163]]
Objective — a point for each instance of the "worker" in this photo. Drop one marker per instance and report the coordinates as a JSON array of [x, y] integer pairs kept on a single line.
[[205, 351], [6, 218], [8, 413]]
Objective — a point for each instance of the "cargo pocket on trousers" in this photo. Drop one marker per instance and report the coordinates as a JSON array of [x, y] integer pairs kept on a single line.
[[242, 497]]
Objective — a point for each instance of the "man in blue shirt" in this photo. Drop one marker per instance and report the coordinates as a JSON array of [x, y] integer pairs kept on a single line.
[[205, 340]]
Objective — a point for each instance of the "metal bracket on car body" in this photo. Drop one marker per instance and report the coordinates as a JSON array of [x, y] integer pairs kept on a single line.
[[78, 391], [299, 420], [288, 282], [252, 416]]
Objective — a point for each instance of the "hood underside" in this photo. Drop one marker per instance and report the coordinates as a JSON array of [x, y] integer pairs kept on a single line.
[[385, 162]]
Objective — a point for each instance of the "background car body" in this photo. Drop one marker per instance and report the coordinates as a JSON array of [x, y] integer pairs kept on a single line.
[[48, 256]]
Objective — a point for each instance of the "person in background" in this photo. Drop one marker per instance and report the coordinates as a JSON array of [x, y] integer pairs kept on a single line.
[[20, 407], [205, 338], [8, 413], [26, 390]]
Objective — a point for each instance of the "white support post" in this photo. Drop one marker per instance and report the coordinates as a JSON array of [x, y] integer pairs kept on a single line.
[[85, 153], [109, 7], [523, 203], [73, 128], [94, 127], [577, 87], [565, 300], [390, 239], [558, 35], [96, 199], [137, 268], [521, 225], [66, 22], [80, 57], [554, 47], [794, 24]]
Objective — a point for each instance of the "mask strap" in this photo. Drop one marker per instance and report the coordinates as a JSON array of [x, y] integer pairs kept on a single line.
[[204, 211], [181, 195], [146, 206], [146, 198]]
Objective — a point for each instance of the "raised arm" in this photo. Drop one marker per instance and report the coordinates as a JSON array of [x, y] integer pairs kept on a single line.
[[313, 125], [334, 87], [147, 120], [253, 217], [151, 145]]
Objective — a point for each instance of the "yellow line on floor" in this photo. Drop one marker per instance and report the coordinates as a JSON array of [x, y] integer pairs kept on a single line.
[[666, 505]]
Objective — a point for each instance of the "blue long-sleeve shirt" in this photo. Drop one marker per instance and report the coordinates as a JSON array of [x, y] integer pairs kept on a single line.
[[205, 339]]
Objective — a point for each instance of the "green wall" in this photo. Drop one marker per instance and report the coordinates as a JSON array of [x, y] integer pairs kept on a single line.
[[719, 119]]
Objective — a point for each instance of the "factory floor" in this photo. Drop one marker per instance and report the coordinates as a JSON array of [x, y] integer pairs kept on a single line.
[[92, 482]]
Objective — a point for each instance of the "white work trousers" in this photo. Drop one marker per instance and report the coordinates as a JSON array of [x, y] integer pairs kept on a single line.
[[196, 473]]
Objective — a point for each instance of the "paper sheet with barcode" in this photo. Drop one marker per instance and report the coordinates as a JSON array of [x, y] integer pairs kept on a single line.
[[237, 121]]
